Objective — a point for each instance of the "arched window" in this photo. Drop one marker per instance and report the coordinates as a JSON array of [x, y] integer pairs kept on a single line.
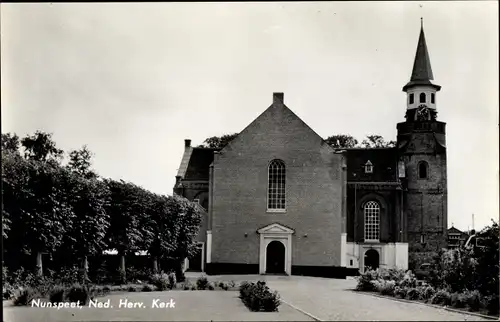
[[433, 98], [422, 170], [372, 221], [276, 186], [422, 97], [412, 98]]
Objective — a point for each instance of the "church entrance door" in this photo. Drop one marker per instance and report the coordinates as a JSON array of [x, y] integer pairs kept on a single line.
[[275, 258], [372, 259]]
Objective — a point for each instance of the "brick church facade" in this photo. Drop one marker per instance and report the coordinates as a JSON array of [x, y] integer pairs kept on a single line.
[[279, 199]]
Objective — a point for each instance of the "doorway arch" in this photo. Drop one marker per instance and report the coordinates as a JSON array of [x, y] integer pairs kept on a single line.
[[372, 259], [275, 258]]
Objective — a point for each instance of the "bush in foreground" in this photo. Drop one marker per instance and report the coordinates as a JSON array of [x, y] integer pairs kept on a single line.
[[78, 292], [202, 283], [24, 296], [257, 297]]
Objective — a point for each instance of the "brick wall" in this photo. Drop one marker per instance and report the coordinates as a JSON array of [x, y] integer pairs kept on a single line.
[[313, 195]]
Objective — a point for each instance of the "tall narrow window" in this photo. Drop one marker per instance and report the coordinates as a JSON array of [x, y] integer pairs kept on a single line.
[[276, 186], [412, 98], [433, 98], [372, 221], [422, 170], [422, 97]]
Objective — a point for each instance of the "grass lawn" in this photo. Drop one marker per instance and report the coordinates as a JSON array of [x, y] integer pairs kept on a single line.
[[189, 306]]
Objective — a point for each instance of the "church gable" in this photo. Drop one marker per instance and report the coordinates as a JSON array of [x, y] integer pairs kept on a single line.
[[277, 125]]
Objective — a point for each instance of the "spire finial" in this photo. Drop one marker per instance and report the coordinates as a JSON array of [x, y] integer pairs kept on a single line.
[[422, 22]]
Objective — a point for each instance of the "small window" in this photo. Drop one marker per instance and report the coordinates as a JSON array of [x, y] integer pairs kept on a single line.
[[422, 97], [412, 98], [368, 167], [350, 262], [433, 98], [422, 170]]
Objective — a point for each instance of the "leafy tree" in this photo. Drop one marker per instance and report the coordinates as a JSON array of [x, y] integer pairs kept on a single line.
[[80, 161], [41, 147], [10, 142], [88, 199], [341, 141], [161, 232], [218, 142], [376, 141], [36, 203], [126, 208], [188, 217]]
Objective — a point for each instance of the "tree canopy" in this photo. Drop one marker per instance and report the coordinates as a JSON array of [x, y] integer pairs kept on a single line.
[[70, 210], [218, 142]]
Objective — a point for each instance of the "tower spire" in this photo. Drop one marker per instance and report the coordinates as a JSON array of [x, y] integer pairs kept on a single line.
[[422, 71]]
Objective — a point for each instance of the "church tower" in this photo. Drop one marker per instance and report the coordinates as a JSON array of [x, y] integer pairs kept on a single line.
[[421, 144]]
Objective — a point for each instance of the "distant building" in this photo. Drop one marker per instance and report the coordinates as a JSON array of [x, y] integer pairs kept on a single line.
[[456, 238]]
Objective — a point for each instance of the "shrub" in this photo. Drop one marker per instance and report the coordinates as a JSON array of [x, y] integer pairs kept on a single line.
[[223, 286], [413, 294], [131, 289], [474, 300], [193, 288], [147, 288], [427, 292], [399, 292], [24, 296], [408, 281], [57, 294], [258, 297], [186, 287], [365, 281], [442, 297], [458, 300], [202, 283], [106, 289], [492, 304], [385, 287], [78, 292], [161, 281], [232, 284], [172, 281], [211, 286]]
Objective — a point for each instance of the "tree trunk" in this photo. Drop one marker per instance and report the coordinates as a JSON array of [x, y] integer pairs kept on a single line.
[[85, 269], [39, 267], [122, 269], [155, 265]]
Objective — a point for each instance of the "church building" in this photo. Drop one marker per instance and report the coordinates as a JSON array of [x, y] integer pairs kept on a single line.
[[279, 199]]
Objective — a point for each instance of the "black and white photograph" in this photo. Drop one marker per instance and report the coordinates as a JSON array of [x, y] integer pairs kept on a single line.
[[250, 161]]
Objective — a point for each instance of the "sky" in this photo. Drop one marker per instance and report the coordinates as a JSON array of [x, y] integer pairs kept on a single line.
[[132, 81]]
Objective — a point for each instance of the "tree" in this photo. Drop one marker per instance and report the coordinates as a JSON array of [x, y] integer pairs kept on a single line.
[[41, 147], [80, 161], [188, 217], [342, 141], [89, 198], [128, 204], [376, 141], [35, 200], [162, 238], [10, 142], [216, 142]]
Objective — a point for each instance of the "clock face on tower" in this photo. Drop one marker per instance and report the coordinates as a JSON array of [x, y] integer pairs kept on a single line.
[[423, 113]]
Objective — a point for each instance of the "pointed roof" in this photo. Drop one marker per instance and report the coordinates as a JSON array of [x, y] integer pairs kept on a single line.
[[422, 71]]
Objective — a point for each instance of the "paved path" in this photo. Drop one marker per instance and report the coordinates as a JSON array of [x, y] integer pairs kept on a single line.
[[335, 300], [309, 298]]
